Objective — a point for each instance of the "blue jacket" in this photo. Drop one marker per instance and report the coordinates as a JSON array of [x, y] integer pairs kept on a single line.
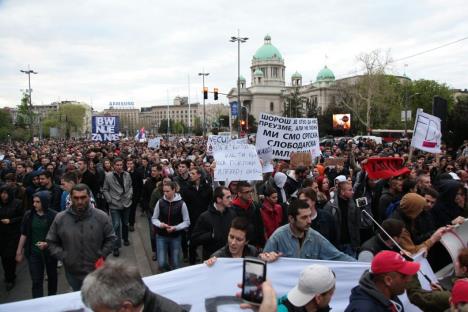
[[367, 298], [315, 246]]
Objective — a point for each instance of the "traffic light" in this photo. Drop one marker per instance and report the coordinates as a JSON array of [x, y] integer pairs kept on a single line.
[[205, 93], [215, 94], [242, 124]]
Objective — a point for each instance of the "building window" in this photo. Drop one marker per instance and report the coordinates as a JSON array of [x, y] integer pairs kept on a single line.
[[272, 106]]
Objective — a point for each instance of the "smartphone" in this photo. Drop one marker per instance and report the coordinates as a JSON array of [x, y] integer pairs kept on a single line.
[[253, 276]]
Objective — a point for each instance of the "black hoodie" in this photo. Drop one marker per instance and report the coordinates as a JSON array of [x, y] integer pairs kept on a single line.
[[445, 208], [367, 298]]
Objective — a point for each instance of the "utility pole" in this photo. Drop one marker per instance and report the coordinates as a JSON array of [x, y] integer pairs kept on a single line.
[[29, 72], [203, 74], [239, 40]]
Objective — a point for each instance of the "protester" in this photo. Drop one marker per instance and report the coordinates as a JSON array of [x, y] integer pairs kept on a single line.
[[379, 287], [77, 249], [271, 211], [32, 244], [11, 213], [296, 239], [171, 217], [46, 184], [137, 187], [117, 286], [118, 192], [390, 194], [313, 292], [212, 228], [459, 297]]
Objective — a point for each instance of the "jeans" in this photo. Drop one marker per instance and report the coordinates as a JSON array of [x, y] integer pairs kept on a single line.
[[37, 263], [165, 245], [74, 282], [120, 225]]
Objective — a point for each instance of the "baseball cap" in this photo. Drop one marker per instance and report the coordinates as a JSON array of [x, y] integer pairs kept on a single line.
[[313, 280], [460, 291], [389, 261], [340, 179]]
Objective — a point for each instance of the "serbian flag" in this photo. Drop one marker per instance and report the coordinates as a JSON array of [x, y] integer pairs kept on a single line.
[[385, 167]]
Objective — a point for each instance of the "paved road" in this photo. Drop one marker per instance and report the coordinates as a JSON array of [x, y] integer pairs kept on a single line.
[[138, 253]]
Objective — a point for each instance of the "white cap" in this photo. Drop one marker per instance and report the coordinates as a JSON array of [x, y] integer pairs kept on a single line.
[[340, 179], [454, 176], [314, 280]]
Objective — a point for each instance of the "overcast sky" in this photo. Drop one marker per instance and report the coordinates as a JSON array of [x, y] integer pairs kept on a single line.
[[142, 51]]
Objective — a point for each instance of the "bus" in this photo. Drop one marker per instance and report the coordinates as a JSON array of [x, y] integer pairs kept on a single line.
[[390, 135]]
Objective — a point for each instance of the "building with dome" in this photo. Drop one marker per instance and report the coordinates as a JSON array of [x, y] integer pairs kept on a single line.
[[269, 86]]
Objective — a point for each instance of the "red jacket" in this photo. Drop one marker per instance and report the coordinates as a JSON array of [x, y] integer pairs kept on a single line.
[[272, 215]]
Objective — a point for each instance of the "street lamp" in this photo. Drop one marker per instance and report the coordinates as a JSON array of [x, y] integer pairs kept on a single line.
[[407, 99], [239, 40], [29, 72], [203, 74]]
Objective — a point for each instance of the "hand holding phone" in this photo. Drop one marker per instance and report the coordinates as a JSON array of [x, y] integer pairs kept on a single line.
[[253, 276]]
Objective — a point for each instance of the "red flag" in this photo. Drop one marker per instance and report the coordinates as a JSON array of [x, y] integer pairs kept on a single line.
[[385, 167]]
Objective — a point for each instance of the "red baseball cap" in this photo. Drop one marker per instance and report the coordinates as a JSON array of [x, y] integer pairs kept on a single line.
[[460, 291], [389, 261]]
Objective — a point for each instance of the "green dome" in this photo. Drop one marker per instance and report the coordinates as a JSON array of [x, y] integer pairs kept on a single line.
[[241, 78], [325, 74], [258, 73], [267, 51], [296, 75]]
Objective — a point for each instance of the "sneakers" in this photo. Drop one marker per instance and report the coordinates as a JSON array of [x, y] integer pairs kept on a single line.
[[126, 243], [131, 228], [116, 252]]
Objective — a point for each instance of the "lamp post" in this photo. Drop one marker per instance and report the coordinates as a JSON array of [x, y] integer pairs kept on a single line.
[[239, 40], [29, 72], [407, 99], [203, 74]]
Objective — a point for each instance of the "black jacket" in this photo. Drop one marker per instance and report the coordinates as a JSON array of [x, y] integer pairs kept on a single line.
[[148, 188], [445, 209], [55, 196], [367, 298], [155, 303], [26, 226], [137, 185], [10, 233], [212, 229], [325, 225], [197, 200], [223, 252]]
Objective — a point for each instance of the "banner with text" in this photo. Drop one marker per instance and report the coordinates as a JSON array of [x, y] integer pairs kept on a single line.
[[199, 288], [105, 128], [214, 141], [237, 161], [286, 135], [385, 167], [427, 132]]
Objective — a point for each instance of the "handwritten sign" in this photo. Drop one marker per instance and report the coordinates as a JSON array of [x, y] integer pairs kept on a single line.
[[286, 135], [266, 155], [300, 159], [154, 143], [237, 161], [427, 132], [215, 141]]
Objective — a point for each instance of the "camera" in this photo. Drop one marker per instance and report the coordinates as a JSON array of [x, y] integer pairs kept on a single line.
[[361, 202]]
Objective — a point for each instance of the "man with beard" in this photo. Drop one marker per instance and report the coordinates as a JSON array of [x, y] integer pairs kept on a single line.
[[77, 249]]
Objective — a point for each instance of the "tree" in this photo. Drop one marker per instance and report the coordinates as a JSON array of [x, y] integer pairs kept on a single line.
[[293, 105], [6, 125], [312, 109], [365, 95], [69, 117], [426, 90], [197, 128]]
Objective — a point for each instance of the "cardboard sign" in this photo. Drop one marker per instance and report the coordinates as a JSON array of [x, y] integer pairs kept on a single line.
[[427, 133], [286, 135], [300, 159], [334, 161], [385, 167], [237, 161], [266, 155]]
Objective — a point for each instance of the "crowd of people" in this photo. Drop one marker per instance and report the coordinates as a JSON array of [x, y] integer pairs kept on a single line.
[[73, 203]]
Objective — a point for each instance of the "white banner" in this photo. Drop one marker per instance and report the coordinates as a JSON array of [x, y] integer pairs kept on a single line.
[[455, 240], [266, 155], [286, 135], [214, 141], [200, 288], [427, 132], [237, 161], [154, 143]]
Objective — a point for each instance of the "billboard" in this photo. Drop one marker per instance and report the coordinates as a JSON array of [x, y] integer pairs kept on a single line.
[[105, 128], [342, 121]]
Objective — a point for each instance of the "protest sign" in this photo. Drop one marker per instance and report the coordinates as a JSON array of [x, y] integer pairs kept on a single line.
[[266, 155], [105, 128], [337, 161], [236, 161], [154, 143], [300, 159], [385, 167], [199, 288], [427, 132], [214, 141], [455, 239], [286, 135]]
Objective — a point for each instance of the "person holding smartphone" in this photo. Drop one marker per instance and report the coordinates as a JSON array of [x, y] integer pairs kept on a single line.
[[32, 243]]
